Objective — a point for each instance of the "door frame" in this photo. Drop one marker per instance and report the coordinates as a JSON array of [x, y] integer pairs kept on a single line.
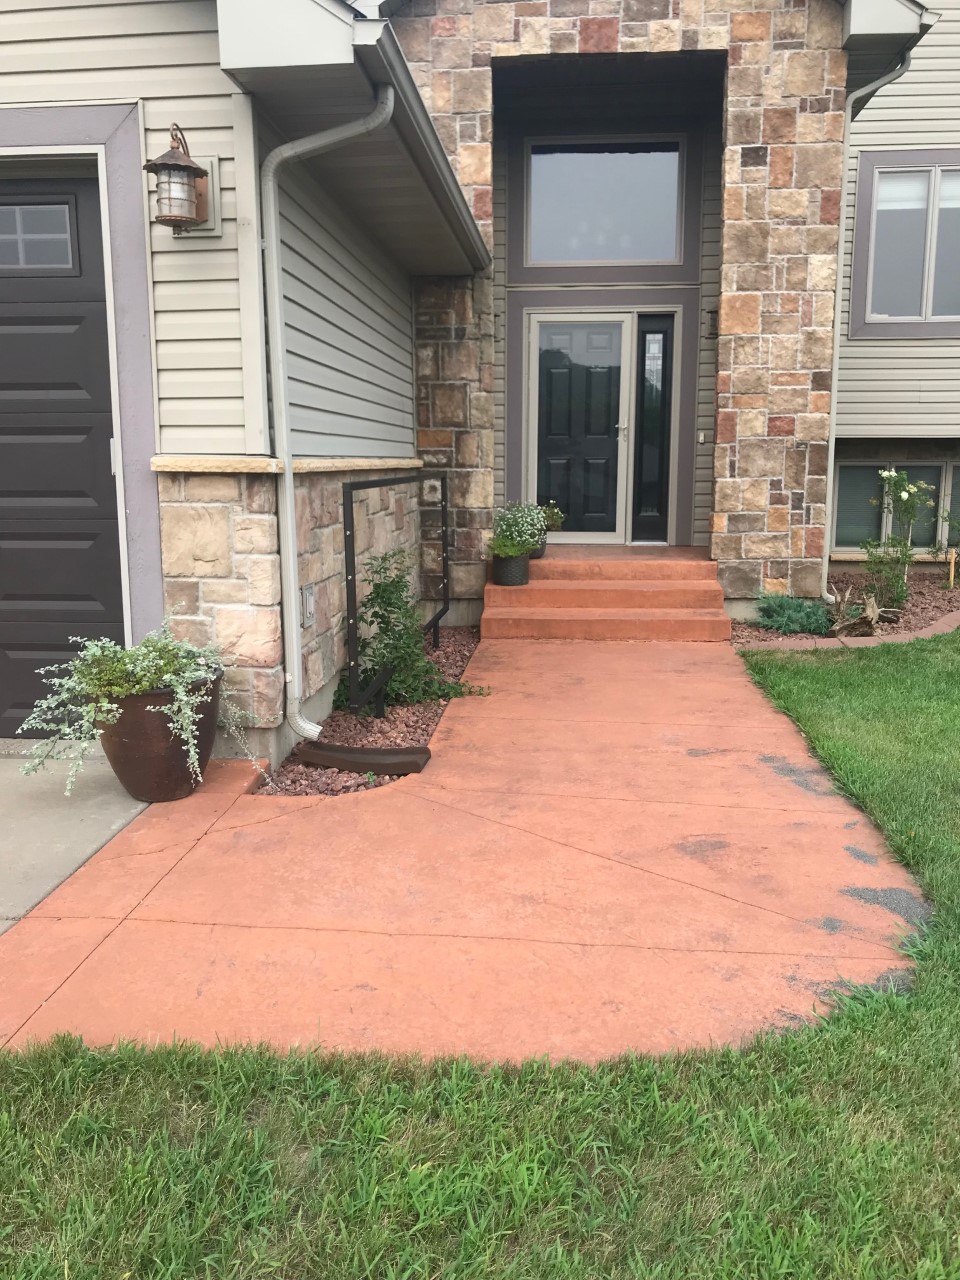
[[532, 317], [111, 136]]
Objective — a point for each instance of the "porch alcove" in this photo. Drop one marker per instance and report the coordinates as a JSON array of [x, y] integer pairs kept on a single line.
[[606, 346]]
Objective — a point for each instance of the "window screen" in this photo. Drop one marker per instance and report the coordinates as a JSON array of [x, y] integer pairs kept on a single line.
[[925, 525], [899, 244], [858, 519]]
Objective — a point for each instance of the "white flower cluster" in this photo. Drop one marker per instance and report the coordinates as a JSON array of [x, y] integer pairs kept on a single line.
[[521, 522]]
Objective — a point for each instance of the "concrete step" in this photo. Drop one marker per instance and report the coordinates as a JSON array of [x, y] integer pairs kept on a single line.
[[606, 593], [502, 622], [620, 568]]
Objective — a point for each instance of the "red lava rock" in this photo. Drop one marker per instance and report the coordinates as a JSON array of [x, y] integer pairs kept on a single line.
[[928, 601], [411, 726]]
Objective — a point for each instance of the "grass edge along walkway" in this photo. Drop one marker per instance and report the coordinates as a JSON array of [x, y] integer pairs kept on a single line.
[[831, 1151]]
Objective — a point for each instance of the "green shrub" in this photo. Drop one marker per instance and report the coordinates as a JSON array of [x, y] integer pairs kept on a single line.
[[391, 634], [791, 615]]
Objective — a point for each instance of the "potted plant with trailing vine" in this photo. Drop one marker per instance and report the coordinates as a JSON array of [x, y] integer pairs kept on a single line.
[[518, 531], [153, 707]]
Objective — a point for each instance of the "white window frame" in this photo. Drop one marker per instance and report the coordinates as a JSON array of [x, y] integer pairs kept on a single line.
[[934, 172], [946, 466]]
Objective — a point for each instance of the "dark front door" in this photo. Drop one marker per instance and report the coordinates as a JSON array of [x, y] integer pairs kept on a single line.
[[580, 430], [59, 543], [651, 452]]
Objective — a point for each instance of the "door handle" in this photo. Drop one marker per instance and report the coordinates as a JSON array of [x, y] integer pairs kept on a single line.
[[624, 429]]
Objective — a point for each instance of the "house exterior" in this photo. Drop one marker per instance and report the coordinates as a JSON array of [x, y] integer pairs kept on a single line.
[[898, 389], [580, 249]]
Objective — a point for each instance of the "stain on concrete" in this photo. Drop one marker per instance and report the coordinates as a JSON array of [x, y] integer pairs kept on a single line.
[[787, 1018], [702, 848], [849, 826], [830, 924], [807, 777], [861, 855], [909, 906], [899, 981], [697, 753]]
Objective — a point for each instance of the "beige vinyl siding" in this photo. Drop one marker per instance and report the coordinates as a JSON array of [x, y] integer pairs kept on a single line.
[[348, 325], [707, 367], [164, 55], [904, 387]]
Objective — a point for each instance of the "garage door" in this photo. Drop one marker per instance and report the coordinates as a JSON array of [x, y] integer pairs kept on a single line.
[[59, 544]]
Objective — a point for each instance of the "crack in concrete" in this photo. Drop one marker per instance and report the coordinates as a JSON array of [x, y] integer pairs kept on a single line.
[[563, 844]]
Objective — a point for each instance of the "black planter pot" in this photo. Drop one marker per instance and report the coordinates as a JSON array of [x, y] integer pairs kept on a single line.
[[539, 553], [150, 761], [511, 571]]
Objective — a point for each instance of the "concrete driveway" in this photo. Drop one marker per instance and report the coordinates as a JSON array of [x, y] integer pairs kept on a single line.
[[45, 836], [623, 847]]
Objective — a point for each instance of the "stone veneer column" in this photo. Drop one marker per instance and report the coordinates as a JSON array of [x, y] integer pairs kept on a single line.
[[221, 578], [783, 157]]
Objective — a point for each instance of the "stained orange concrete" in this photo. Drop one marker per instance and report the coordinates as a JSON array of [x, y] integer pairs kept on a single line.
[[622, 847]]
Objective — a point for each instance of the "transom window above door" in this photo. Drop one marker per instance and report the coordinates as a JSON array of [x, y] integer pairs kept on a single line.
[[603, 202]]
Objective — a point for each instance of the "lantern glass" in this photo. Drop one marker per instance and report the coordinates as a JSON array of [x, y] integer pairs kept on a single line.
[[176, 197]]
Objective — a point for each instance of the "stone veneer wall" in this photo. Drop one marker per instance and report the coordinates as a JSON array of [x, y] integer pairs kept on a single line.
[[219, 543], [383, 519], [783, 130]]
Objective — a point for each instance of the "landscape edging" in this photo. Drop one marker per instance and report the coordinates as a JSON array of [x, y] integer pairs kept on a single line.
[[949, 622]]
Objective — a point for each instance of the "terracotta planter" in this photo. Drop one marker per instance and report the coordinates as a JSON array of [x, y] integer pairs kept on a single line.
[[150, 761], [511, 571]]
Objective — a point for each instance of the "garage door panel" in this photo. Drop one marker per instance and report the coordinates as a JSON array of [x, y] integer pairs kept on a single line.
[[58, 466], [62, 570], [60, 573], [52, 357], [23, 649]]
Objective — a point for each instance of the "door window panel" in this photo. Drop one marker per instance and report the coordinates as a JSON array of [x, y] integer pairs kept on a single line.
[[578, 422], [35, 236], [604, 202]]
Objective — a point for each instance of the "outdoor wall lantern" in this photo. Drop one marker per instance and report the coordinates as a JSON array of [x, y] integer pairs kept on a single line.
[[182, 195]]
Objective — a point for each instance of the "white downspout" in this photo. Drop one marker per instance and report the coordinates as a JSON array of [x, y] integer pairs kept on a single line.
[[852, 101], [300, 149]]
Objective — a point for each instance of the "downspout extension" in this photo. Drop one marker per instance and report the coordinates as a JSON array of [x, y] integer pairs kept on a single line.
[[852, 101], [300, 149]]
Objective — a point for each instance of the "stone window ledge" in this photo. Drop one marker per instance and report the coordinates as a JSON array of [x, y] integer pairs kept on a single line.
[[250, 464]]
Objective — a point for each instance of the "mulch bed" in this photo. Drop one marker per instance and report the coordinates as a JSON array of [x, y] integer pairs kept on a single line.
[[928, 601], [401, 727]]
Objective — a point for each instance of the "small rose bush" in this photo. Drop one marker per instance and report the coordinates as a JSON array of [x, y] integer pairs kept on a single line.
[[890, 557]]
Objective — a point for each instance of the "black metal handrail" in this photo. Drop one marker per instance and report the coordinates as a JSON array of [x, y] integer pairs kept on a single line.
[[377, 688]]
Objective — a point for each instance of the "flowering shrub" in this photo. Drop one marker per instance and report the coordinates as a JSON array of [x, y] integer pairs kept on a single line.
[[85, 693], [889, 558], [553, 516], [521, 525]]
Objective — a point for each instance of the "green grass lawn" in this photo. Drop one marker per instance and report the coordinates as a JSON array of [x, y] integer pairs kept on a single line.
[[831, 1152]]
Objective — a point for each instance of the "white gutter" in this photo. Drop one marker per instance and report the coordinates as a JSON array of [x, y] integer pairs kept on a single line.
[[300, 149], [852, 101]]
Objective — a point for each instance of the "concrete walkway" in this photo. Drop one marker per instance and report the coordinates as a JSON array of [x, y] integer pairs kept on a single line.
[[622, 847], [45, 835]]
